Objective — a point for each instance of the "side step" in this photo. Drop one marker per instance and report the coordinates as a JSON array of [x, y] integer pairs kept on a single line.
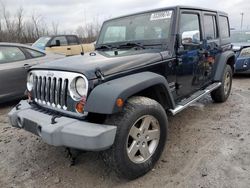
[[193, 98]]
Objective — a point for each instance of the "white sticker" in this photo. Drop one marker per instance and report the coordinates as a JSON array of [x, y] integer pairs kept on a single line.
[[161, 15]]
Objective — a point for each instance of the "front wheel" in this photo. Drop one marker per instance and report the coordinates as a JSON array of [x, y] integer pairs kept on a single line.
[[140, 138], [222, 93]]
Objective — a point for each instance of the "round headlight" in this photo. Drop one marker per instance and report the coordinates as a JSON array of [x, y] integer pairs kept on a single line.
[[81, 86], [30, 82]]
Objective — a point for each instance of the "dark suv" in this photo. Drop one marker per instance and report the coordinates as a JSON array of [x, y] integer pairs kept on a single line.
[[116, 99]]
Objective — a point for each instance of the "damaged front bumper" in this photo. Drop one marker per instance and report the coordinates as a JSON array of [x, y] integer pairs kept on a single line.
[[63, 131]]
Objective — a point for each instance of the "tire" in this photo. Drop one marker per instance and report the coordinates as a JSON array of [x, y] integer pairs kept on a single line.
[[139, 161], [222, 93]]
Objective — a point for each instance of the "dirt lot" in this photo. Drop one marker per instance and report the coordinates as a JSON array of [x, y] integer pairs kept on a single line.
[[208, 146]]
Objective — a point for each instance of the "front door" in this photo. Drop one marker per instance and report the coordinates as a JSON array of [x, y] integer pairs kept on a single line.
[[190, 67], [59, 45], [12, 71]]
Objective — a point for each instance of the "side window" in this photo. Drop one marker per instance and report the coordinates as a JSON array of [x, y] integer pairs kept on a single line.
[[62, 40], [210, 24], [190, 28], [224, 27], [34, 53], [72, 40], [10, 54]]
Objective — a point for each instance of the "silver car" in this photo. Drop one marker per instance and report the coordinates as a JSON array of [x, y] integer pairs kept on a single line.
[[15, 60]]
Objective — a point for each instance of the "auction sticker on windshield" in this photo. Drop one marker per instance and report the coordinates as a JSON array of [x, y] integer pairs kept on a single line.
[[161, 15]]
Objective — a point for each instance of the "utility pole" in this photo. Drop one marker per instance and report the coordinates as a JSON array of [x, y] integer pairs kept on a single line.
[[242, 16]]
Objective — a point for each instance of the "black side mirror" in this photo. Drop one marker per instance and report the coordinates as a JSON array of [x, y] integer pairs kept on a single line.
[[58, 43]]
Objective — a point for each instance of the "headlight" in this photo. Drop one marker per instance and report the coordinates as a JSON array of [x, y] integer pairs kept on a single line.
[[81, 86], [78, 88], [30, 82]]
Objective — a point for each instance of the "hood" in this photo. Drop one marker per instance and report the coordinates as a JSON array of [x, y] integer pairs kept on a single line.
[[106, 61]]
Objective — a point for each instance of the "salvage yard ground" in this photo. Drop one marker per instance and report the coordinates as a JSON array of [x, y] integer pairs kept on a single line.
[[208, 146]]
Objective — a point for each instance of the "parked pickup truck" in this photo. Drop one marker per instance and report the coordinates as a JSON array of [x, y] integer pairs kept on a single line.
[[65, 44], [116, 99]]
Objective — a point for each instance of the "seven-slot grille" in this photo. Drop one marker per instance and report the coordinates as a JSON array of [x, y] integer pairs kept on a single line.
[[51, 88], [51, 91]]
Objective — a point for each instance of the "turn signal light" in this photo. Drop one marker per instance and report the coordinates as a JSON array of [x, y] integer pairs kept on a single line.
[[119, 102], [80, 107]]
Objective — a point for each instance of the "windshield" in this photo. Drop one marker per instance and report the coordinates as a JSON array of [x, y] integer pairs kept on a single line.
[[240, 36], [41, 43], [148, 28]]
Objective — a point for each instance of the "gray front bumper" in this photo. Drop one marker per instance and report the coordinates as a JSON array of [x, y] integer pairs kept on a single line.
[[66, 131]]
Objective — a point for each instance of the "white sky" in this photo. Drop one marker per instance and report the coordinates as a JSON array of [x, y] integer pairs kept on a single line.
[[72, 13]]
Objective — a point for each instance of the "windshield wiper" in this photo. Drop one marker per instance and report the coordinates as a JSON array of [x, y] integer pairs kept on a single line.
[[132, 44], [104, 46]]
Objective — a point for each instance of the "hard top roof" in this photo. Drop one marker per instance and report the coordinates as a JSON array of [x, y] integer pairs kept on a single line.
[[174, 8]]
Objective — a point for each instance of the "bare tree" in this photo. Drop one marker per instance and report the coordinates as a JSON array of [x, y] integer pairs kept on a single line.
[[55, 26], [19, 29]]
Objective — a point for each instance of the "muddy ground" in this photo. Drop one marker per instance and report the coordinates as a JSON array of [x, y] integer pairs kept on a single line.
[[208, 146]]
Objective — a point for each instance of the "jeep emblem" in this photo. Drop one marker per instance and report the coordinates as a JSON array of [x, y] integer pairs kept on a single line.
[[50, 74]]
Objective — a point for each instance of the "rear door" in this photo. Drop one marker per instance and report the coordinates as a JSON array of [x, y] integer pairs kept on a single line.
[[74, 45], [12, 71], [211, 44]]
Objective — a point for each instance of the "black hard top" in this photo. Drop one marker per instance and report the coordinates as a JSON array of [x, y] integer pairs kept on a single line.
[[174, 8]]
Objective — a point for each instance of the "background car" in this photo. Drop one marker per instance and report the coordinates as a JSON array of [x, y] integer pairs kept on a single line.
[[241, 47], [66, 44], [15, 60]]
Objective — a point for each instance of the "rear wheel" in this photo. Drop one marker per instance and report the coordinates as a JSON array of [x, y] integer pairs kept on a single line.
[[140, 138], [222, 93]]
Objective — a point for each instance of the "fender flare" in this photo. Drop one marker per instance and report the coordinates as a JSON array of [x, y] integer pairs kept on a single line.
[[221, 62], [102, 98]]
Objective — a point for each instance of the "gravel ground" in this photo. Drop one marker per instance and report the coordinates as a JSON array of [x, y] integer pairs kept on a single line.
[[208, 146]]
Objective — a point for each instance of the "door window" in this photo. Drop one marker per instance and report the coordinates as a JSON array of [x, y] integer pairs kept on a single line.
[[61, 39], [224, 27], [210, 25], [190, 28], [72, 40], [11, 54]]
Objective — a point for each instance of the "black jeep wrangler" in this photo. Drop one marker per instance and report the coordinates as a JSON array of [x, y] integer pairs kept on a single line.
[[116, 99]]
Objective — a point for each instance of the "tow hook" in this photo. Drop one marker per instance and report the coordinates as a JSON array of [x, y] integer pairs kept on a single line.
[[17, 106], [53, 119]]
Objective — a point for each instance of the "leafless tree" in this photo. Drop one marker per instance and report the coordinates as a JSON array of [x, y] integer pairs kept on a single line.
[[19, 27], [55, 26]]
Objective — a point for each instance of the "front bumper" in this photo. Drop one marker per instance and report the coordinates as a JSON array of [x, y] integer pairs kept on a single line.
[[66, 131]]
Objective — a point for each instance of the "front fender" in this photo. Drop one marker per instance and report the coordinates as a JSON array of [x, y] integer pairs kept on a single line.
[[103, 98]]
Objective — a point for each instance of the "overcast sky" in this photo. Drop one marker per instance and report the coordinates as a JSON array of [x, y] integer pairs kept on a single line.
[[72, 13]]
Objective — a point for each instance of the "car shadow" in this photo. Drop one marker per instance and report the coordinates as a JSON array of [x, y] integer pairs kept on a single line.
[[242, 75], [9, 104]]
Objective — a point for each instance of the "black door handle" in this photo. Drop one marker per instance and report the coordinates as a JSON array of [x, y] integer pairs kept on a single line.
[[68, 48]]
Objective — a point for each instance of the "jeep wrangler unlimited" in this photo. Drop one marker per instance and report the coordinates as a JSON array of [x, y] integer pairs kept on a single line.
[[116, 99]]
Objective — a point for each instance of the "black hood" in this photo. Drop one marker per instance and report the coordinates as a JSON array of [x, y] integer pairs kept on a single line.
[[106, 61]]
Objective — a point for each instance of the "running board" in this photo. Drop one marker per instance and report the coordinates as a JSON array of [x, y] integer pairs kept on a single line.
[[193, 98]]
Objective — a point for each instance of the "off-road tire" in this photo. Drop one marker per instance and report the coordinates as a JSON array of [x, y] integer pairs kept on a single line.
[[219, 95], [117, 157]]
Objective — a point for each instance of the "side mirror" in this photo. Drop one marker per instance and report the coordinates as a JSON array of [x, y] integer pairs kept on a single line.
[[58, 43], [190, 38]]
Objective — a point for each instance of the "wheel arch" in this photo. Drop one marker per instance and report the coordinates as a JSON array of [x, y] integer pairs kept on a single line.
[[102, 99], [224, 59]]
